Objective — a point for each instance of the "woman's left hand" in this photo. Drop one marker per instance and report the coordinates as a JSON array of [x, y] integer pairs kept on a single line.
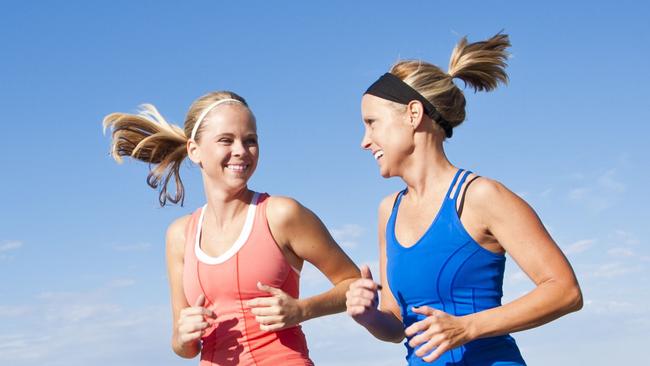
[[277, 311], [438, 332]]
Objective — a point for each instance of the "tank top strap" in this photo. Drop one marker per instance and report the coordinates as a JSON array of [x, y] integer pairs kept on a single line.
[[463, 178], [190, 228]]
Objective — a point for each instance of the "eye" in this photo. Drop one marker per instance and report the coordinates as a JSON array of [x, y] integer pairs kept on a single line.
[[251, 141], [225, 140]]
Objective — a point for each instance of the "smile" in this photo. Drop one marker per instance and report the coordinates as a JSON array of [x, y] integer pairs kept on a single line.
[[378, 154], [237, 167]]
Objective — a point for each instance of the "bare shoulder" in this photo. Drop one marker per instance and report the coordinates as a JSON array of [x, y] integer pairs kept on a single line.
[[485, 191], [175, 236], [283, 210], [492, 200], [386, 205]]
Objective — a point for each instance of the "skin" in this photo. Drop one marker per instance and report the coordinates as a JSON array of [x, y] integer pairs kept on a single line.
[[227, 152], [495, 217]]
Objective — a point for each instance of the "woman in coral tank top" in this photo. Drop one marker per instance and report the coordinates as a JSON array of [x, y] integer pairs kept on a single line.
[[234, 264]]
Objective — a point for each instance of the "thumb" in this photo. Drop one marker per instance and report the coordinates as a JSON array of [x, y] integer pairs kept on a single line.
[[199, 301], [365, 272]]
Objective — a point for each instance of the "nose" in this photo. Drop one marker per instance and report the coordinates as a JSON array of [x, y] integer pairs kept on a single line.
[[365, 141], [238, 148]]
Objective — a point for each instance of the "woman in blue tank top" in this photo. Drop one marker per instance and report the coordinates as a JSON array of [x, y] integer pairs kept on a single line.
[[443, 238]]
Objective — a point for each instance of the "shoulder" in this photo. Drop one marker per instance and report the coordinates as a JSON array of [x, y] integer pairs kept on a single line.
[[488, 195], [282, 210], [386, 205], [175, 236], [484, 188]]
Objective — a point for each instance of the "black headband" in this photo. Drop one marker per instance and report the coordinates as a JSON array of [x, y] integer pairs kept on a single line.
[[392, 88]]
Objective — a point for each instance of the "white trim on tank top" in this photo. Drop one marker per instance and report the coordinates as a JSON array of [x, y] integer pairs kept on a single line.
[[239, 243], [241, 240]]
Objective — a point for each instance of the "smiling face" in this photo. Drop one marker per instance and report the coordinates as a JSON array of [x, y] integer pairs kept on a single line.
[[227, 150], [388, 134]]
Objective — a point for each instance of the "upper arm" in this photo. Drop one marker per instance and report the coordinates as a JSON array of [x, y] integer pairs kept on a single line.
[[518, 229], [307, 237], [175, 252], [388, 302]]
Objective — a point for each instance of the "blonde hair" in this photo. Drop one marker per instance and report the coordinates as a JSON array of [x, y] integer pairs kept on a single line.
[[481, 65], [148, 137]]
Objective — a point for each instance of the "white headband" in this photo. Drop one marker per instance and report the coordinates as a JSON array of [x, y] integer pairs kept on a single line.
[[207, 110]]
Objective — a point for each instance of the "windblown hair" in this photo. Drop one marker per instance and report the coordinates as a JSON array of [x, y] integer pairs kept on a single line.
[[481, 65], [148, 137]]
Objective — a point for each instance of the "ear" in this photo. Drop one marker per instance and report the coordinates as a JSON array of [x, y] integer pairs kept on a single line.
[[415, 112], [193, 151]]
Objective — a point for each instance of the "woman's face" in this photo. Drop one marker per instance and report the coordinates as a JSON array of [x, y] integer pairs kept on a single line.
[[388, 134], [228, 149]]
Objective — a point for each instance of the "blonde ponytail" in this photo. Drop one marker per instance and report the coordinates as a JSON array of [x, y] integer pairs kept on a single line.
[[148, 137], [481, 65]]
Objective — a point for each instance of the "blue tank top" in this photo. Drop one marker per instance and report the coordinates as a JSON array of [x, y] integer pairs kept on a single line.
[[449, 271]]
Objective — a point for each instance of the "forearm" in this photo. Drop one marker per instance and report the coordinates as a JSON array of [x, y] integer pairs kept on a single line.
[[548, 301], [326, 303], [187, 350], [385, 326]]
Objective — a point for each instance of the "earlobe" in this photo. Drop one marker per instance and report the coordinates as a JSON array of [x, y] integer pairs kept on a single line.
[[414, 109]]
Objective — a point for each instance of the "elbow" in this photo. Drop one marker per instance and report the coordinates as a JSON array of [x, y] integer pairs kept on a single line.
[[574, 300]]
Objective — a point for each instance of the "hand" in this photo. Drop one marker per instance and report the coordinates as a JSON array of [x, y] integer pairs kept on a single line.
[[277, 311], [192, 321], [361, 297], [439, 332]]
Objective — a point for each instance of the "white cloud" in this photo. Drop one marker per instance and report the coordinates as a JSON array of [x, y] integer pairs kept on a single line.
[[10, 245], [516, 277], [14, 311], [613, 269], [625, 237], [620, 252], [608, 181], [601, 193], [341, 333], [347, 235], [121, 282], [611, 307], [579, 246], [547, 192], [81, 328]]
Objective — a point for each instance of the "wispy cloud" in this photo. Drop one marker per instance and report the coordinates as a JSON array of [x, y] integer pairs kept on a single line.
[[121, 282], [600, 193], [347, 236], [14, 311], [79, 328], [620, 252], [625, 237], [613, 269], [579, 246], [10, 245], [614, 307]]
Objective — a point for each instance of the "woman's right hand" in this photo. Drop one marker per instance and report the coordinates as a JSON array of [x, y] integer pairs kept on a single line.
[[192, 321], [362, 298]]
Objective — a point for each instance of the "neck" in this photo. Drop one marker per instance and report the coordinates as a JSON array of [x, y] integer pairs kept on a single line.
[[225, 206], [427, 171]]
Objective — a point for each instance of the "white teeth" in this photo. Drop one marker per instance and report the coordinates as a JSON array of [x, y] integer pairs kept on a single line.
[[237, 167], [378, 154]]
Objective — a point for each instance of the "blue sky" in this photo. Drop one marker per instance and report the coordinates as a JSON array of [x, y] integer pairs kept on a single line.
[[82, 241]]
